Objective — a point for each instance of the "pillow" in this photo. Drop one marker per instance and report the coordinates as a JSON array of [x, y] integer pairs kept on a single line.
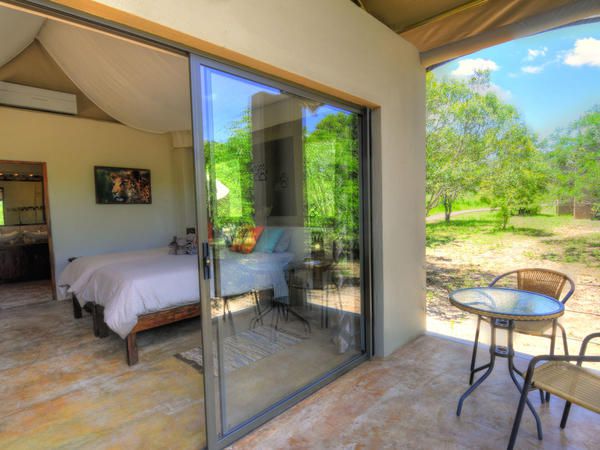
[[268, 240], [184, 245], [245, 239], [284, 243]]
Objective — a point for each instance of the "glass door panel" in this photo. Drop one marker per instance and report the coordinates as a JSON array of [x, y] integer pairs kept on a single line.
[[283, 215]]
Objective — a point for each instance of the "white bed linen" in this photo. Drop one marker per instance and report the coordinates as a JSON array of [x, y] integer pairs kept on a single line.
[[130, 286], [78, 272]]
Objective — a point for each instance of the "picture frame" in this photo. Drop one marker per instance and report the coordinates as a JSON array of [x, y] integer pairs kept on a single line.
[[122, 186]]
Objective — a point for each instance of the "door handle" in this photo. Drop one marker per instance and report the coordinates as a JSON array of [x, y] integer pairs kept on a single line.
[[206, 260]]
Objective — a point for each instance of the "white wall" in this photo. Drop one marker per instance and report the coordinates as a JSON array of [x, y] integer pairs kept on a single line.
[[71, 147], [338, 44]]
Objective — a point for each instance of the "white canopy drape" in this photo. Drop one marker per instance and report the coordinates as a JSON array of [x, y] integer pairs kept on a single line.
[[17, 31], [139, 86]]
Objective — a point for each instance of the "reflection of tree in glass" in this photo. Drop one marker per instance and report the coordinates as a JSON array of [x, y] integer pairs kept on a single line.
[[230, 163], [331, 166]]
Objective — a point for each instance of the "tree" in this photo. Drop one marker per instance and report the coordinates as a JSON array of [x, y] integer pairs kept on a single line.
[[331, 168], [517, 175], [574, 157], [460, 116]]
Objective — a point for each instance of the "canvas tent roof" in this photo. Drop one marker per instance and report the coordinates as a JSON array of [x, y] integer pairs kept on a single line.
[[148, 89], [446, 29], [139, 86]]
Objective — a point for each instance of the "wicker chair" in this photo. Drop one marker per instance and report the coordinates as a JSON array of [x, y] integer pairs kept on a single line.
[[573, 383], [542, 281]]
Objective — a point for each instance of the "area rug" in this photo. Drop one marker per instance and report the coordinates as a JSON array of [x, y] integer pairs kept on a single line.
[[244, 348]]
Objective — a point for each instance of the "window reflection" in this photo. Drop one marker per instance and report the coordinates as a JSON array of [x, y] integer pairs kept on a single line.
[[284, 221]]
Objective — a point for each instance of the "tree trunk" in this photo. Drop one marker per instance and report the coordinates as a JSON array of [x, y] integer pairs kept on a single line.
[[447, 208], [505, 219]]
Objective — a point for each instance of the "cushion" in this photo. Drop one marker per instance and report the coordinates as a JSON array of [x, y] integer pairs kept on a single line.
[[187, 245], [246, 238], [284, 242], [268, 240]]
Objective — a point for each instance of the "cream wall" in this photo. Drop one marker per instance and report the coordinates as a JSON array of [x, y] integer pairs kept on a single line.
[[71, 147], [338, 44]]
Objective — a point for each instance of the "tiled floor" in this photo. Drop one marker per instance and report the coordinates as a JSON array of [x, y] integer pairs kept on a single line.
[[60, 387], [26, 293], [408, 401]]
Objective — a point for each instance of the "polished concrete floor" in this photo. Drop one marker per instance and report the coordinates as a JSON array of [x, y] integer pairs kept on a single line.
[[13, 295], [60, 387], [408, 401]]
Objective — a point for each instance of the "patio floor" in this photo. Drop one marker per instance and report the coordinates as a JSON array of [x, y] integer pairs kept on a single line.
[[409, 401]]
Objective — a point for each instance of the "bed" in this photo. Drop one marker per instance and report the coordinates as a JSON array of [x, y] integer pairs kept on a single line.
[[134, 291]]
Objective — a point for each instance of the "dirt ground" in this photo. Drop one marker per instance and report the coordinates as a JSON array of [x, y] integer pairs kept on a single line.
[[475, 260]]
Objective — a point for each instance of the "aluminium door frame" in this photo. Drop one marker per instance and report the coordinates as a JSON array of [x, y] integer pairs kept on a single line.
[[197, 62], [75, 16]]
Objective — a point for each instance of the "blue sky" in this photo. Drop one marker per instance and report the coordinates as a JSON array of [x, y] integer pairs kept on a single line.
[[552, 78], [231, 96]]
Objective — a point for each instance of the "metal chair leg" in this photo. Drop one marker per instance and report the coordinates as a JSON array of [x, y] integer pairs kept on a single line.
[[564, 339], [518, 418], [552, 346], [565, 415], [474, 356]]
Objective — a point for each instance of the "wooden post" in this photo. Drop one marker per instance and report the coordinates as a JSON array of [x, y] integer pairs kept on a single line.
[[77, 313], [100, 328], [131, 347]]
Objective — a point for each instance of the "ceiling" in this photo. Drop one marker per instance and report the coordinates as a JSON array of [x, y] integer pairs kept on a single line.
[[114, 79], [445, 29]]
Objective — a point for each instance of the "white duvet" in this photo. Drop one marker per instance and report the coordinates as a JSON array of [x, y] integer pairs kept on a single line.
[[135, 283]]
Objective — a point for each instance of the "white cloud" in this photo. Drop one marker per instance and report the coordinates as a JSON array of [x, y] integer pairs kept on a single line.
[[503, 94], [585, 53], [468, 67], [493, 88], [534, 53], [532, 69]]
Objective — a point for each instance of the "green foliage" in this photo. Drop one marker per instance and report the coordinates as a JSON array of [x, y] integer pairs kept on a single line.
[[584, 249], [455, 145], [574, 157], [230, 163], [331, 177], [517, 175], [477, 143], [463, 202], [331, 167]]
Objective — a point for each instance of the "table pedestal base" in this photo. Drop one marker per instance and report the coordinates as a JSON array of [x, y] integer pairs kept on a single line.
[[502, 352]]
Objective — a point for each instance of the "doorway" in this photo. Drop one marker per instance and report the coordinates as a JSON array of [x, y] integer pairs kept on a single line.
[[284, 224], [26, 268]]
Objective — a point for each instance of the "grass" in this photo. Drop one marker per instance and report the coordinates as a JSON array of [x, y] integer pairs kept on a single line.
[[485, 228], [584, 250], [469, 201]]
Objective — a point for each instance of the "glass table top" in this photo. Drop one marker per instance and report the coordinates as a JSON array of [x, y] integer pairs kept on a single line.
[[507, 303]]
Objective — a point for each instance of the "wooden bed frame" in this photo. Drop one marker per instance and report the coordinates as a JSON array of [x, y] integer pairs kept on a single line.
[[145, 322]]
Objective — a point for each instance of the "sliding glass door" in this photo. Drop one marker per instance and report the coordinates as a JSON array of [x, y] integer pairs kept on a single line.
[[282, 213]]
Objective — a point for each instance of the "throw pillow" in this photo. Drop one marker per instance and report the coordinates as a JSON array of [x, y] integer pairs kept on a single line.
[[245, 239], [268, 240], [284, 242]]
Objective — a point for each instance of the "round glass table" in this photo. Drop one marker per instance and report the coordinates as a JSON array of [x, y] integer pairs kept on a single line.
[[504, 306]]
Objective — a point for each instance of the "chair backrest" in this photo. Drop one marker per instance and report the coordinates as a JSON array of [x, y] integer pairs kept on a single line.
[[543, 281]]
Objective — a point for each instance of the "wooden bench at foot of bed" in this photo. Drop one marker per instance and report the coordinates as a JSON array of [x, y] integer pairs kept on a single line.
[[146, 322]]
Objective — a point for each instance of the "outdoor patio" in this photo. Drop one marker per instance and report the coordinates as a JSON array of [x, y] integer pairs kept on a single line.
[[409, 401]]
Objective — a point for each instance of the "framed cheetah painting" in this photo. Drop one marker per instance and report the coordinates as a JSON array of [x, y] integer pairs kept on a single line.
[[118, 185]]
